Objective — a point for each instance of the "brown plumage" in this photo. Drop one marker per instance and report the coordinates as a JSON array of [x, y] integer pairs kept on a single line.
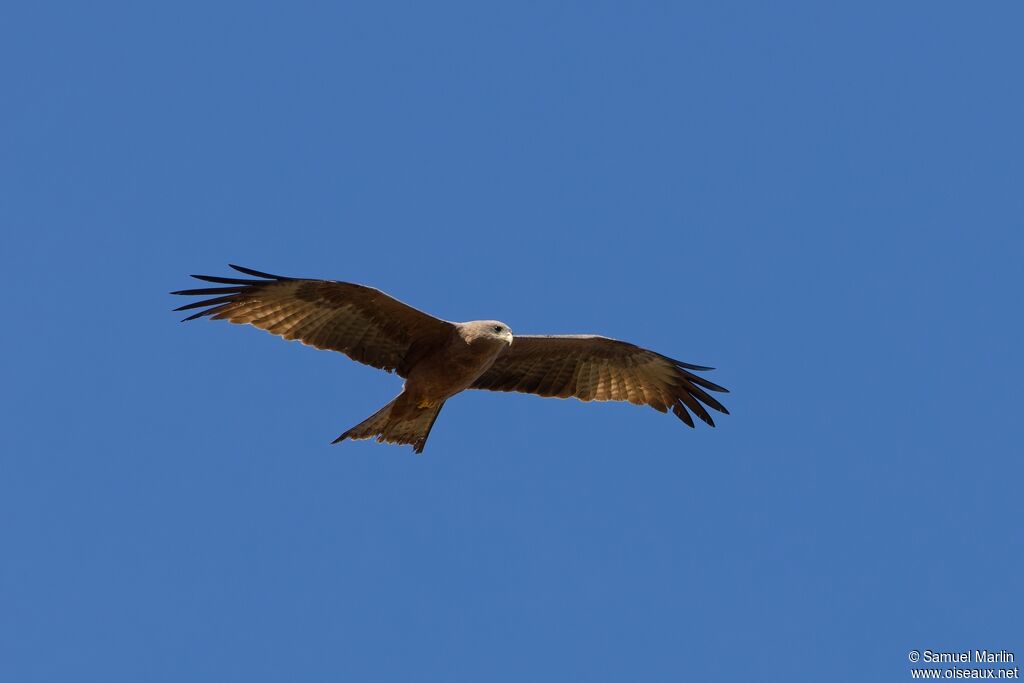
[[440, 358], [593, 368]]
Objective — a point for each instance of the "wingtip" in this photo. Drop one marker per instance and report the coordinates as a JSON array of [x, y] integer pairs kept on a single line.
[[256, 273], [344, 435], [692, 366], [679, 411]]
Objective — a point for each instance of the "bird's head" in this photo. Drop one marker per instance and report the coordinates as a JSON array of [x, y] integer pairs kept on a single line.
[[491, 329]]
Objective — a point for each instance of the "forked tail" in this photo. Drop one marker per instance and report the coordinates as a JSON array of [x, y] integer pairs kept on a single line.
[[397, 423]]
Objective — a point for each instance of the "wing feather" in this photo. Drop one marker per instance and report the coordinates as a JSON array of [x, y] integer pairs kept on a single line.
[[364, 323], [593, 368]]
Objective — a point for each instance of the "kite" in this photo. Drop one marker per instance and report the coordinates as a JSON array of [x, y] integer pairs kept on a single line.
[[439, 359]]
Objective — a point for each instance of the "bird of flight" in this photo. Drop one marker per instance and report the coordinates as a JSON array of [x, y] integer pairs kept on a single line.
[[439, 359]]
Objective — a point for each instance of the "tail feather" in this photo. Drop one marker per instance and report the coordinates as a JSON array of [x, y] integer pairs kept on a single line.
[[408, 426]]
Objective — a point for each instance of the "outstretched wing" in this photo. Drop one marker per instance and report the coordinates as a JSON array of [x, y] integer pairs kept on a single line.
[[364, 323], [593, 368]]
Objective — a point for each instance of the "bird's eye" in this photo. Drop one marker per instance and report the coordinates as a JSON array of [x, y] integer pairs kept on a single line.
[[497, 328]]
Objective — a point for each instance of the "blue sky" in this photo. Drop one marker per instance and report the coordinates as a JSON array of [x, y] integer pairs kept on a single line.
[[823, 202]]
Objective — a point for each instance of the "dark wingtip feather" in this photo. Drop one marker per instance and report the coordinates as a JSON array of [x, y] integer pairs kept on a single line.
[[687, 399], [209, 290], [700, 381], [679, 411], [691, 366], [709, 400], [227, 294], [714, 404], [207, 302], [257, 273], [200, 314], [226, 280]]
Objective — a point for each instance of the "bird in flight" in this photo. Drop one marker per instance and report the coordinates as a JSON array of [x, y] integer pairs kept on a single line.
[[439, 359]]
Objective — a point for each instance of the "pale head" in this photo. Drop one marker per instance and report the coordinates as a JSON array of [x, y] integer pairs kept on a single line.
[[487, 329]]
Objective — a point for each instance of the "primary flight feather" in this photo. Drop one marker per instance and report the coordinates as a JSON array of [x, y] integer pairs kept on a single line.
[[438, 359]]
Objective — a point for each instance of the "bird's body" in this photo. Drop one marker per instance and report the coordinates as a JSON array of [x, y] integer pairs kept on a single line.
[[453, 366], [439, 373], [439, 359]]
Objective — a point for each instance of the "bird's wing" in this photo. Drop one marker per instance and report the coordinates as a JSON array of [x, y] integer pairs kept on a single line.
[[593, 368], [364, 323]]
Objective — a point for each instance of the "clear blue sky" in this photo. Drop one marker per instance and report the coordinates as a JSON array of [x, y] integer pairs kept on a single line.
[[823, 202]]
